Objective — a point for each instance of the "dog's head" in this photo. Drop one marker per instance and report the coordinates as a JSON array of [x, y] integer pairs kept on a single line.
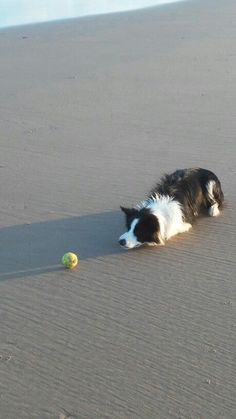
[[142, 228]]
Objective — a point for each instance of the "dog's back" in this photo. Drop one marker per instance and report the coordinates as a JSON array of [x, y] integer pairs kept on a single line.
[[196, 189]]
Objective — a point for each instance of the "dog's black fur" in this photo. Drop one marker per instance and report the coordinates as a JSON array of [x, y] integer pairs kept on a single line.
[[189, 187]]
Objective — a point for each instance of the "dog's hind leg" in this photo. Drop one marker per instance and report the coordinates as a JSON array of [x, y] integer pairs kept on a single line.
[[215, 197]]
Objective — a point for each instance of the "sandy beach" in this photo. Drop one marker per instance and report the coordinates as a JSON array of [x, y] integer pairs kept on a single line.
[[93, 111]]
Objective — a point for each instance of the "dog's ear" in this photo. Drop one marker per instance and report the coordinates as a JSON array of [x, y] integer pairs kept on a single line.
[[128, 211]]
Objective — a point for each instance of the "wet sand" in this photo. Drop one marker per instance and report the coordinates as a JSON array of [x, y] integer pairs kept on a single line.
[[93, 111]]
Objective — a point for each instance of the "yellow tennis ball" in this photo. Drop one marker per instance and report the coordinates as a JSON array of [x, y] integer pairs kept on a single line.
[[70, 260]]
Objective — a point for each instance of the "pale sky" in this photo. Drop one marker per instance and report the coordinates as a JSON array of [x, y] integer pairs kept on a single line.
[[16, 12]]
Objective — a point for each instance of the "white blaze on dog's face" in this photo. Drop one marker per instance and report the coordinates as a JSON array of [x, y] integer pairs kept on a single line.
[[129, 240], [142, 226]]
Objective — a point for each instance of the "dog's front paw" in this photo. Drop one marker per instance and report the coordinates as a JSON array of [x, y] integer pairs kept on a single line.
[[186, 227]]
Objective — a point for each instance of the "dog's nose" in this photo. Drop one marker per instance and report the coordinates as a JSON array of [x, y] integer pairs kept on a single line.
[[122, 242]]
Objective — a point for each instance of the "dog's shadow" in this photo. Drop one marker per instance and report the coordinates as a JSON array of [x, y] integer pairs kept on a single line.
[[32, 249]]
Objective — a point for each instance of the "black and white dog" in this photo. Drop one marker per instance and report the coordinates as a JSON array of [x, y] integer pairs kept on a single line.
[[172, 206]]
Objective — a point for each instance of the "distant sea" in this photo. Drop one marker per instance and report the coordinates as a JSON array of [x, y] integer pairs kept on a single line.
[[20, 12]]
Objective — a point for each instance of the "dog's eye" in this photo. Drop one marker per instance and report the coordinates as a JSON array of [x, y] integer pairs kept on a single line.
[[147, 229]]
